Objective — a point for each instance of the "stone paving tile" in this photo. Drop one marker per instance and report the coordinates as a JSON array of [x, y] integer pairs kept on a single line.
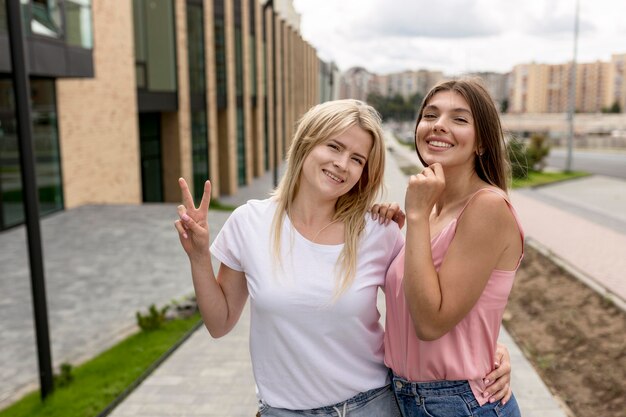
[[102, 264]]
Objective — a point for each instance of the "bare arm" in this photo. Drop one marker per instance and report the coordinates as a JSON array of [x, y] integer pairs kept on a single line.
[[220, 300], [438, 300]]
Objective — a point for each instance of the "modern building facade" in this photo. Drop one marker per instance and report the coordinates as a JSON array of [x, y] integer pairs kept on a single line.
[[128, 96]]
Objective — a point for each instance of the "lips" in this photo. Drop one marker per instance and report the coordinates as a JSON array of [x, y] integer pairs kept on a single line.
[[333, 176], [439, 143]]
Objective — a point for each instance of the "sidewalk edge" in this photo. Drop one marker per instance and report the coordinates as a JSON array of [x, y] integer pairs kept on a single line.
[[585, 278]]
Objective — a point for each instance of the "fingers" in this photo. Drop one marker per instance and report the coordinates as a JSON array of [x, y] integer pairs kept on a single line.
[[437, 169], [498, 380], [374, 211], [400, 218], [498, 392], [187, 197], [384, 211], [502, 371], [187, 222], [387, 212], [507, 396], [206, 197], [181, 230]]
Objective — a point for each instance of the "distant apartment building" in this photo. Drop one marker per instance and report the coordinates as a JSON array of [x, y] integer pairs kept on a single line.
[[496, 83], [545, 88], [408, 83], [357, 83], [617, 82], [128, 96]]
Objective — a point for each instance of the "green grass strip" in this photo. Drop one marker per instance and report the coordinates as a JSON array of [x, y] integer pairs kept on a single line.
[[535, 178], [99, 382]]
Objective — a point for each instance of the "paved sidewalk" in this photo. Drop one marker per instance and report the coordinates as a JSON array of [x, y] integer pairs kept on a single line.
[[102, 264]]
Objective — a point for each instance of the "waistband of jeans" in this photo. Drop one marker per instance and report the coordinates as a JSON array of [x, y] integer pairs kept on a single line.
[[358, 399], [430, 388]]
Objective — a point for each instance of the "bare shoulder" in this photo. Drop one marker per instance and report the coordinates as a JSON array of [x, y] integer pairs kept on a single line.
[[489, 213]]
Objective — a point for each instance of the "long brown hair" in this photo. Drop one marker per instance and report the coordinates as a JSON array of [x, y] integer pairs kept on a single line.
[[320, 123], [491, 162]]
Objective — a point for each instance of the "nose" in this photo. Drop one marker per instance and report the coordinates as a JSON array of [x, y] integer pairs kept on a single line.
[[341, 161], [439, 125]]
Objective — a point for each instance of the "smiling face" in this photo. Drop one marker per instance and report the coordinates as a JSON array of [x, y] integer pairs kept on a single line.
[[335, 165], [446, 132]]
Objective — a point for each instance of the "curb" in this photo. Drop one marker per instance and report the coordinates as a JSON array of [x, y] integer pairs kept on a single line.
[[582, 276]]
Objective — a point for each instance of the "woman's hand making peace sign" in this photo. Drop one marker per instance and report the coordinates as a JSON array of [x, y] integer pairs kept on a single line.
[[193, 227]]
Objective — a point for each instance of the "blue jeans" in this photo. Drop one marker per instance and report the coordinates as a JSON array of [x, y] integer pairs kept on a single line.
[[446, 399], [378, 402]]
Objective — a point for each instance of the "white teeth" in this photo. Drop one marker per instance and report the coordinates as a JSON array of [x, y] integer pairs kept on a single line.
[[439, 144], [333, 177]]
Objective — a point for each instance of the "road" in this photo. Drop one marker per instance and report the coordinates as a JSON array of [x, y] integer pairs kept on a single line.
[[612, 164]]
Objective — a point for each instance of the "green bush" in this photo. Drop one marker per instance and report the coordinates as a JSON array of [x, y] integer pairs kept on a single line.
[[64, 378], [536, 152], [153, 320]]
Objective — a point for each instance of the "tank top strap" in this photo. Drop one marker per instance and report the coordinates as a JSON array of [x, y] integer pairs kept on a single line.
[[511, 208], [500, 193]]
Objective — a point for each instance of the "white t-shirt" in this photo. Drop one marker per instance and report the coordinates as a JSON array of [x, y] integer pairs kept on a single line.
[[308, 351]]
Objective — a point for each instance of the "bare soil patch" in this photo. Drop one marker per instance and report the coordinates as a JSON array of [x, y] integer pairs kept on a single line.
[[575, 338]]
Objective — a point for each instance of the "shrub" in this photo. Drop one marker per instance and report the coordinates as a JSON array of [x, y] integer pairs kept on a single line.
[[153, 320], [65, 376], [536, 152]]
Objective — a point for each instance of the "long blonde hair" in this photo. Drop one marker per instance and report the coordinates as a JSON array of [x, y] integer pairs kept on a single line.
[[322, 122]]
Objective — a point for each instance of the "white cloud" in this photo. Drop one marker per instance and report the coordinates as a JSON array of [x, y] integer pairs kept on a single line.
[[456, 36]]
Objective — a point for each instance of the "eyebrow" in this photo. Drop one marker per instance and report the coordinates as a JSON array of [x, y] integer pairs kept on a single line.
[[344, 146], [457, 110]]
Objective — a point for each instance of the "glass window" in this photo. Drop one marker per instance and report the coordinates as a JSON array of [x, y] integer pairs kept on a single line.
[[200, 152], [239, 61], [46, 148], [155, 51], [195, 46], [241, 147], [10, 175], [220, 55], [45, 18], [46, 142], [3, 16], [78, 23], [253, 65]]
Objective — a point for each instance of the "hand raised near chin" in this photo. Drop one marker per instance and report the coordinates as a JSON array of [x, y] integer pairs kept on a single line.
[[424, 190], [193, 227]]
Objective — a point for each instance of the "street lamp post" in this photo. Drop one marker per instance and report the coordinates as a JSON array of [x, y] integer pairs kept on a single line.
[[21, 86], [572, 97]]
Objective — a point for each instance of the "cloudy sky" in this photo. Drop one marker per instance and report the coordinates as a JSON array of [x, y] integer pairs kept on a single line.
[[456, 36]]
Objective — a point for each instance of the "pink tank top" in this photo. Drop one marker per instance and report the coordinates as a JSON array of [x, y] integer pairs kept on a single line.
[[464, 353]]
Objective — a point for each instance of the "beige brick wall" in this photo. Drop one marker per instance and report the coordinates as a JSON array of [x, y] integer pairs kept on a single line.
[[98, 117], [211, 97]]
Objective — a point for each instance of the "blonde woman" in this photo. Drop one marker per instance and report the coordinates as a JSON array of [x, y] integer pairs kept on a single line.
[[311, 262]]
